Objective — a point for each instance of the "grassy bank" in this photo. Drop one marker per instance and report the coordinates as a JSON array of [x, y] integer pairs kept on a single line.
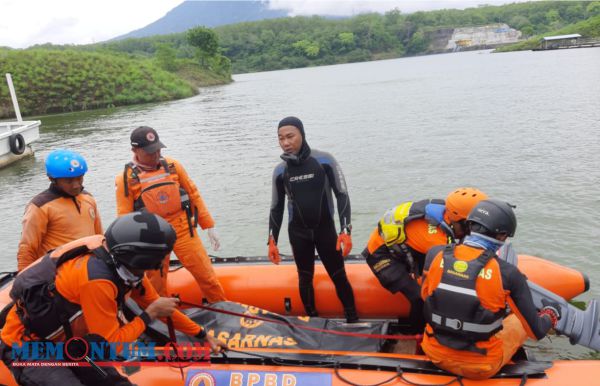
[[61, 80]]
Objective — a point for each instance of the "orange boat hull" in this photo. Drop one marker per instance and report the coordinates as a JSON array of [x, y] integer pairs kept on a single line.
[[275, 287]]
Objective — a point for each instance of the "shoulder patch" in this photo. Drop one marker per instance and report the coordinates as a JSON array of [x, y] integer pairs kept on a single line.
[[43, 198]]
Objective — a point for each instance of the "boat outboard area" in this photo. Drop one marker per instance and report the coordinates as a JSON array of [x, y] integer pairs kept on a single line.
[[271, 342]]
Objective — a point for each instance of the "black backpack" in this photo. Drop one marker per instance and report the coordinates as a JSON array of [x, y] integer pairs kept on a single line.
[[42, 310]]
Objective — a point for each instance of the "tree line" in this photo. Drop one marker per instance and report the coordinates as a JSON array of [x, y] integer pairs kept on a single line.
[[311, 41]]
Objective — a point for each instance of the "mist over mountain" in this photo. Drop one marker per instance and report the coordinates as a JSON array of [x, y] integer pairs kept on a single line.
[[190, 14]]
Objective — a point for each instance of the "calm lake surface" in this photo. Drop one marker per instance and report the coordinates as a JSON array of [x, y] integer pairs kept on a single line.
[[523, 126]]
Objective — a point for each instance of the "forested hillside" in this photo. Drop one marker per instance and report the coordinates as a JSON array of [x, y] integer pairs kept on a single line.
[[312, 41], [52, 78]]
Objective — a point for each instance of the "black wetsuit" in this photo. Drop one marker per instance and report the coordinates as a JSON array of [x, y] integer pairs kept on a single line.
[[308, 179]]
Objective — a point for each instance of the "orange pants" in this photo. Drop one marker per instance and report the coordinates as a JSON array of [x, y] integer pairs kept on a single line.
[[476, 366], [193, 256]]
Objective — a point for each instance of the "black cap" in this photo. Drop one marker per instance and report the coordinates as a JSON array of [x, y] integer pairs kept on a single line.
[[146, 138], [292, 121]]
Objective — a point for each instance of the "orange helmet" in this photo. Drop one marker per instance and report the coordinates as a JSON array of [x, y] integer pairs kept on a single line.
[[460, 202]]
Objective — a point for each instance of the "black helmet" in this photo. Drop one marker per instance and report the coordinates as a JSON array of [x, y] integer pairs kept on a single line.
[[140, 240], [495, 216]]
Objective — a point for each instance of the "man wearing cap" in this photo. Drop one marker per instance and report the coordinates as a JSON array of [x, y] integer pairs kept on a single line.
[[308, 177], [162, 186]]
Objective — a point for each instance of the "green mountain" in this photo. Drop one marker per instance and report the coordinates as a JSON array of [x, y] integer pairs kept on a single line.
[[210, 14]]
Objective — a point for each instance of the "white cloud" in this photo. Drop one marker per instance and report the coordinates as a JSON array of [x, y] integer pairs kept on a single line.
[[27, 22], [354, 7]]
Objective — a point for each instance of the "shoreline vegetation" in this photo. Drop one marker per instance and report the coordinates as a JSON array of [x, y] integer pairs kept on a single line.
[[63, 78]]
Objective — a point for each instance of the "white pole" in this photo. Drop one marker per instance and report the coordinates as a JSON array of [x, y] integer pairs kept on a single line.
[[13, 96]]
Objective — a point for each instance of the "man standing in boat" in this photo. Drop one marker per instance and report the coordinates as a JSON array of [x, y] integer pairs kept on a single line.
[[468, 291], [64, 212], [162, 186], [397, 246], [308, 177]]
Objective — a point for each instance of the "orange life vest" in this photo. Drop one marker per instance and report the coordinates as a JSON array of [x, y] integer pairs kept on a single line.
[[160, 192]]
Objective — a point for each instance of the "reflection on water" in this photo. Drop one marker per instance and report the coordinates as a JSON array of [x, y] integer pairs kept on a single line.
[[521, 126]]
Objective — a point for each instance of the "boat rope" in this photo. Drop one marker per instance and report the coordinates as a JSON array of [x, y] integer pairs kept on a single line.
[[336, 368], [399, 374], [417, 337], [276, 360], [524, 379]]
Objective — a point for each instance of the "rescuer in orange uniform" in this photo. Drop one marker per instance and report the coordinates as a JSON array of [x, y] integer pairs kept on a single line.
[[91, 277], [397, 247], [162, 186], [468, 292], [64, 212]]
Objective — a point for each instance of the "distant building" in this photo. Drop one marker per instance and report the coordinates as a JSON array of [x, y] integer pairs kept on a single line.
[[552, 42], [489, 35]]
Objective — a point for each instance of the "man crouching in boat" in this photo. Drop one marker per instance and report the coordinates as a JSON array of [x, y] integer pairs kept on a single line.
[[92, 276], [467, 292], [397, 246]]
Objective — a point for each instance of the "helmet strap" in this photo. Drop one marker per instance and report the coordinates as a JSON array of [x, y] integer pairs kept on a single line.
[[128, 278]]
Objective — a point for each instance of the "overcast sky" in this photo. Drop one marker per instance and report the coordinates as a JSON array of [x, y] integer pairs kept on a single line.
[[27, 22]]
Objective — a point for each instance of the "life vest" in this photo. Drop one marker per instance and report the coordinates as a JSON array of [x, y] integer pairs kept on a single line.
[[454, 309], [393, 223], [391, 267], [43, 311], [160, 192]]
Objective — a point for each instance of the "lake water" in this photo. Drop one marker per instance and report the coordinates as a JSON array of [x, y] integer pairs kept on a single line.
[[522, 126]]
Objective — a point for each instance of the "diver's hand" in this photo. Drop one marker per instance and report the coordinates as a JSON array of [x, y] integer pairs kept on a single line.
[[213, 237], [273, 251], [162, 307], [344, 243]]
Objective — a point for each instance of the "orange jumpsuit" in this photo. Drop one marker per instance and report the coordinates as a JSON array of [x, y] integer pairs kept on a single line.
[[498, 284], [189, 250], [97, 300], [52, 219]]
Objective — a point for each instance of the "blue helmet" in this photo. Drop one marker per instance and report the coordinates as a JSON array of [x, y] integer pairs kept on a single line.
[[65, 164]]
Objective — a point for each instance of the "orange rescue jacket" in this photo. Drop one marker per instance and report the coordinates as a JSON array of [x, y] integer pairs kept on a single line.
[[136, 183], [492, 295], [82, 282], [52, 219]]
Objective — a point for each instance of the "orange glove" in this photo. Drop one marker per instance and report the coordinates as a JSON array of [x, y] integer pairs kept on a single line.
[[273, 251], [344, 243]]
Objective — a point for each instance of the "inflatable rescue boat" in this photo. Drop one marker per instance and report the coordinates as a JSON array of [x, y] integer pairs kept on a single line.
[[273, 344]]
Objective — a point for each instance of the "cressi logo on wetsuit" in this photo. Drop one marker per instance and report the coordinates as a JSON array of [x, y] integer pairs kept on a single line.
[[305, 187], [454, 309]]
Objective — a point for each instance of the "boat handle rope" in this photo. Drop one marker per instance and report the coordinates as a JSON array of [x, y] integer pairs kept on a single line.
[[336, 368], [417, 337], [399, 374]]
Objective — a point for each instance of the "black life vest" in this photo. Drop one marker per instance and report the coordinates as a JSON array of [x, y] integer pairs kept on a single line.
[[454, 309], [43, 311]]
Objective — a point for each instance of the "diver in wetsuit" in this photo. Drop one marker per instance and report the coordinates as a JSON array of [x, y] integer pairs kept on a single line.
[[307, 177]]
